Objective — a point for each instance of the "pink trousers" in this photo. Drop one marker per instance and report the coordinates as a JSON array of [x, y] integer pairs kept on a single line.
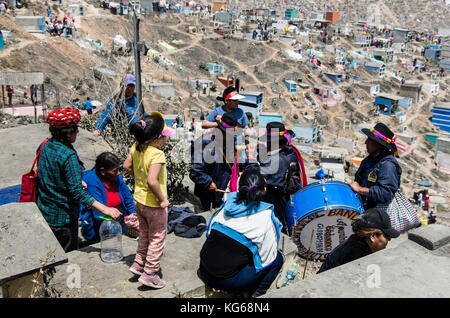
[[152, 236]]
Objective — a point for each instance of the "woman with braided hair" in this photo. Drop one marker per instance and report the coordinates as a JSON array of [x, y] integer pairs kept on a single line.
[[59, 186]]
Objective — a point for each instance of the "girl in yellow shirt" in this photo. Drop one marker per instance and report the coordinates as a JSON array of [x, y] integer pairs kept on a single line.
[[147, 163]]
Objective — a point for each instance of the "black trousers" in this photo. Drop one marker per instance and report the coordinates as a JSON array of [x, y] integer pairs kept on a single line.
[[279, 199], [210, 200], [67, 235]]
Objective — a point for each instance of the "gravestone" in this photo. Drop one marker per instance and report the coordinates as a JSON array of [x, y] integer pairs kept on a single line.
[[27, 246]]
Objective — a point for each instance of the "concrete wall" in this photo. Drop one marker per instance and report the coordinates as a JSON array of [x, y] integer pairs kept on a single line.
[[21, 78], [31, 24], [163, 89], [415, 265]]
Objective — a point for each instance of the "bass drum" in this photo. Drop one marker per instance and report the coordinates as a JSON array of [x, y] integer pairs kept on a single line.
[[319, 216]]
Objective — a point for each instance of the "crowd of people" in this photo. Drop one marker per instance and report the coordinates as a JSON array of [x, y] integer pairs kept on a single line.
[[241, 254], [59, 27]]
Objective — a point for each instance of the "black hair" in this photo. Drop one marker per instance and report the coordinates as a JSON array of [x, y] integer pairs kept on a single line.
[[148, 132], [251, 187], [106, 160], [227, 91], [249, 115], [60, 134]]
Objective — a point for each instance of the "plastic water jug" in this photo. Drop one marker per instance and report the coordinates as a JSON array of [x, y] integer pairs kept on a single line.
[[111, 240], [292, 271]]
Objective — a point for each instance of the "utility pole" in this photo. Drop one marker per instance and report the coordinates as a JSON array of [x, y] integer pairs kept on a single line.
[[137, 64]]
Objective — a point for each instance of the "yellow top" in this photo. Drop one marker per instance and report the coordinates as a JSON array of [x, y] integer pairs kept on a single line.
[[142, 160]]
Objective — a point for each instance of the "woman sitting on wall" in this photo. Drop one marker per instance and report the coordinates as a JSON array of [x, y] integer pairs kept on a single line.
[[106, 185]]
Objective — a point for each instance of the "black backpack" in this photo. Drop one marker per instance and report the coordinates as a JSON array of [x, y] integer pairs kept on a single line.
[[292, 180]]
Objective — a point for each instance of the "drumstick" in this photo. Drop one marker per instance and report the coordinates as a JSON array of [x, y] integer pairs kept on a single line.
[[223, 191], [310, 243]]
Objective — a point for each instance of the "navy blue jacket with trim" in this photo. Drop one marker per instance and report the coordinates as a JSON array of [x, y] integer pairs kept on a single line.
[[216, 170], [387, 172]]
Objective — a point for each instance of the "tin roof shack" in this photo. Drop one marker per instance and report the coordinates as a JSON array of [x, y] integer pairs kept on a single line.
[[411, 90], [372, 88], [332, 16], [400, 35], [441, 116], [385, 55], [387, 103], [252, 102], [442, 154], [28, 245]]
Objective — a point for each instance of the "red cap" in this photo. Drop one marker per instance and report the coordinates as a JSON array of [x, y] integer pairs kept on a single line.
[[64, 117]]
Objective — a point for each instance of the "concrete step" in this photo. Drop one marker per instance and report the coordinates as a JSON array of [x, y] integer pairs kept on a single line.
[[179, 267]]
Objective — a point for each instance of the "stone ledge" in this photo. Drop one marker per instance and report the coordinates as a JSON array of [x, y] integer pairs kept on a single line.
[[432, 236]]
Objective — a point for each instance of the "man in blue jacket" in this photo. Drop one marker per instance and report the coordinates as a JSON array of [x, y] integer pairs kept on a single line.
[[230, 99], [212, 164], [104, 184], [124, 101]]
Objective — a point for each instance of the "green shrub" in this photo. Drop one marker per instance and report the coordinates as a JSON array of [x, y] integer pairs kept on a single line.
[[177, 164], [88, 122]]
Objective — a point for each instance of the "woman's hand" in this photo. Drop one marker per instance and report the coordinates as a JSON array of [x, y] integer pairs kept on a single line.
[[113, 212], [96, 133], [212, 187], [355, 186], [84, 184]]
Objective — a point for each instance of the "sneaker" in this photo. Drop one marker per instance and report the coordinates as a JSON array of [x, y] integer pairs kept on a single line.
[[152, 280], [136, 269]]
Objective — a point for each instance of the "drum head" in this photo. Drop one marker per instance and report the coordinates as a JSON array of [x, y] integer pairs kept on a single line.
[[317, 234]]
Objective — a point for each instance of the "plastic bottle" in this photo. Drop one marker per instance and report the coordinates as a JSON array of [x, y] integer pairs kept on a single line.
[[292, 271], [111, 240]]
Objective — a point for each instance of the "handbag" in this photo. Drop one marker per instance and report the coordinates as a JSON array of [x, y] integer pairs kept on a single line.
[[401, 212], [28, 188]]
